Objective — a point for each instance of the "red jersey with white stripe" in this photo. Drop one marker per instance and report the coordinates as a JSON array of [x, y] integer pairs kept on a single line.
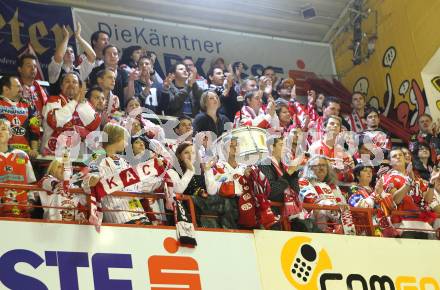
[[357, 123], [303, 114], [36, 95], [248, 117], [15, 168], [24, 123]]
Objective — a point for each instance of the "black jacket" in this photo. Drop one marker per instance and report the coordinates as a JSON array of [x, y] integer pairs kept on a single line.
[[202, 122]]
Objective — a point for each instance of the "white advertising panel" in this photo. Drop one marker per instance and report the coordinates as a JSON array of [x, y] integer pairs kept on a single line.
[[68, 257], [306, 261]]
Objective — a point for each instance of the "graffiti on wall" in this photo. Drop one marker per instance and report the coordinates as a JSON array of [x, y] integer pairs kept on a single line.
[[403, 104]]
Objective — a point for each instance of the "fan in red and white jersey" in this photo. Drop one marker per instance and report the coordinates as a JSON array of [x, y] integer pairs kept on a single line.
[[252, 113], [15, 168], [68, 111]]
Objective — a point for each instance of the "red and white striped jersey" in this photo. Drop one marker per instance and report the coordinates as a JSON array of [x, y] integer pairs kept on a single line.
[[248, 117], [61, 114]]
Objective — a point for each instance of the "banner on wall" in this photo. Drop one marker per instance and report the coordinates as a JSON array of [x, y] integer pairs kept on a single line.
[[306, 261], [171, 42], [60, 256], [431, 81], [26, 25]]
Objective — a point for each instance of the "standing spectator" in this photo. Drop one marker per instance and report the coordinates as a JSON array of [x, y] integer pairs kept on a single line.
[[422, 161], [63, 60], [428, 133], [283, 180], [147, 88], [209, 119], [32, 91], [99, 40], [25, 129], [331, 106], [330, 147], [67, 112], [130, 58], [132, 210], [106, 81], [249, 84], [190, 67], [225, 90], [356, 119], [181, 94], [252, 113], [124, 86], [409, 193], [374, 134], [269, 72]]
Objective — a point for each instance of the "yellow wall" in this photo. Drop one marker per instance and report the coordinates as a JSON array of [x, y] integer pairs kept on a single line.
[[412, 27]]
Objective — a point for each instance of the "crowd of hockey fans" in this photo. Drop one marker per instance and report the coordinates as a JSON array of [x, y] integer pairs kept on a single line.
[[114, 112]]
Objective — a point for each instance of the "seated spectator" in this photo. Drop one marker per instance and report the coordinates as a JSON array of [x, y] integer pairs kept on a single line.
[[318, 186], [428, 134], [32, 91], [130, 57], [225, 90], [252, 113], [409, 193], [190, 67], [181, 94], [188, 182], [356, 119], [209, 119], [422, 161], [64, 59], [25, 127], [147, 89], [55, 195], [361, 194], [68, 111], [131, 208], [124, 82], [15, 168]]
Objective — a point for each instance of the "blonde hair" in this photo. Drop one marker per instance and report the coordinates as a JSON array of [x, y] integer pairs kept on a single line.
[[6, 123], [204, 99], [52, 166], [115, 133]]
